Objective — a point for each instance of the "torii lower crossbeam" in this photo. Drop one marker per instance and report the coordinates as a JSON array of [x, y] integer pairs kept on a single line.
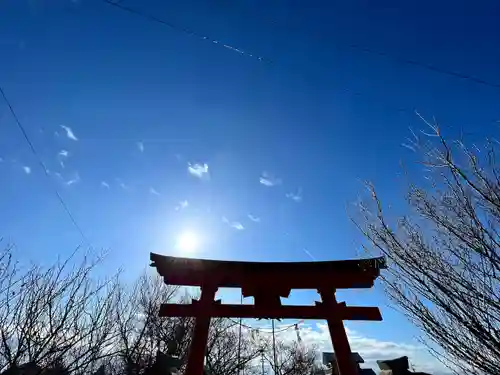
[[320, 311]]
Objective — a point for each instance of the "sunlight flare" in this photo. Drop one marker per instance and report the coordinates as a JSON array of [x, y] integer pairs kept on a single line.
[[188, 242]]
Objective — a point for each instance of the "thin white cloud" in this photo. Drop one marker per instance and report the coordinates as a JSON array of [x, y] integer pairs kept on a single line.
[[154, 192], [56, 174], [269, 180], [198, 170], [233, 224], [237, 225], [69, 132], [140, 146], [297, 197], [182, 205], [308, 253], [74, 180], [122, 184], [253, 218], [104, 184], [26, 169], [371, 349], [62, 155]]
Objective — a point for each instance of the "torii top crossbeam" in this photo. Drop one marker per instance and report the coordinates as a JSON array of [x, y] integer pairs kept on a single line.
[[338, 274]]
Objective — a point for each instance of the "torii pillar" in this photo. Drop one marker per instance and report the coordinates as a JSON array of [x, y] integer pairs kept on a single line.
[[338, 334], [204, 305]]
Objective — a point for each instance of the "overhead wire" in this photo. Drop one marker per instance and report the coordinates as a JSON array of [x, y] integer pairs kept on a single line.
[[396, 58], [43, 167], [189, 32], [264, 330], [239, 338], [399, 59], [274, 351]]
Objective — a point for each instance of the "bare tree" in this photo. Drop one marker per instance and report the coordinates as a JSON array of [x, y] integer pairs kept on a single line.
[[230, 350], [293, 358], [52, 317], [444, 252], [142, 334]]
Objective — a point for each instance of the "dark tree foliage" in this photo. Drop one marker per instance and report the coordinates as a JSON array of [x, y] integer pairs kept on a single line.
[[60, 320], [293, 359], [56, 317], [444, 271]]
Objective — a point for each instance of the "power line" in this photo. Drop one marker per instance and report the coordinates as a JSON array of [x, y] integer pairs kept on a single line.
[[183, 30], [261, 329], [399, 59], [430, 67], [42, 165], [239, 337], [274, 351]]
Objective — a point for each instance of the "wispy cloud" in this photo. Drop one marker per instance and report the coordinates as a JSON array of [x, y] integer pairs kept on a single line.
[[237, 225], [269, 180], [104, 184], [182, 205], [122, 184], [69, 133], [26, 169], [308, 253], [297, 197], [253, 218], [154, 192], [140, 146], [198, 170], [63, 153], [233, 224], [370, 348], [1, 160], [74, 180]]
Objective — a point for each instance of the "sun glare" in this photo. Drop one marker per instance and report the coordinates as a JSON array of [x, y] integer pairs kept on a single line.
[[187, 242]]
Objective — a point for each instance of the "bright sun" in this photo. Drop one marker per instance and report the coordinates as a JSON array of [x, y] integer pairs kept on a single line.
[[187, 242]]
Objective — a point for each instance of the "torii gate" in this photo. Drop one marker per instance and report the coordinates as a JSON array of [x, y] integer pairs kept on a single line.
[[267, 282]]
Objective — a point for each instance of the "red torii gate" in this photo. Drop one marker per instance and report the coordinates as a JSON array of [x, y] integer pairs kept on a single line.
[[267, 282]]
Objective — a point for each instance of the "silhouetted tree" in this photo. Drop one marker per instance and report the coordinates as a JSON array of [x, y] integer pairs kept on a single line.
[[444, 252], [54, 317], [62, 321], [292, 358], [228, 352], [142, 334]]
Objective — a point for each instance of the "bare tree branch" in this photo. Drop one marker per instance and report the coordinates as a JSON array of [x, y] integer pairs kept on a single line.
[[445, 271]]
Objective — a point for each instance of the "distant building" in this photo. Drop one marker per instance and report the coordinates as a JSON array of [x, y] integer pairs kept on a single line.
[[397, 366], [330, 360]]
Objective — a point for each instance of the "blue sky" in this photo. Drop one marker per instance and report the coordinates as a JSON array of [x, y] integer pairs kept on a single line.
[[145, 101]]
